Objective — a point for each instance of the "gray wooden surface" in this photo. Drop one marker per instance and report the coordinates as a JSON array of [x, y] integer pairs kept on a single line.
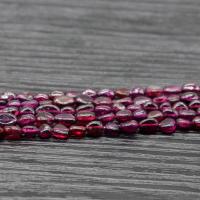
[[75, 44]]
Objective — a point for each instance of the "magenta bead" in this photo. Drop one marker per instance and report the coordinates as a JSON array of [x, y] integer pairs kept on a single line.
[[187, 114], [31, 103], [129, 127], [12, 132], [195, 104], [183, 124], [64, 101], [45, 131], [172, 89], [48, 108], [190, 87], [172, 98], [136, 91], [149, 106], [26, 110], [84, 117], [112, 129], [30, 131], [27, 119], [156, 114], [141, 100], [148, 126], [167, 126], [44, 118], [164, 105], [102, 110], [124, 115], [139, 114], [68, 110], [125, 101], [15, 103], [121, 92], [41, 97], [160, 99], [169, 112], [7, 119], [77, 132], [66, 119], [106, 118], [90, 93], [102, 101], [60, 132], [189, 96], [24, 96], [118, 106], [133, 107], [85, 107], [180, 106], [95, 129], [196, 122], [84, 99]]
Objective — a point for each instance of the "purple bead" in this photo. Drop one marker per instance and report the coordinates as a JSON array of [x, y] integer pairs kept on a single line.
[[106, 93], [136, 91], [125, 101], [118, 106], [190, 87], [183, 124], [85, 107], [102, 110], [139, 114], [189, 96], [180, 106], [187, 114], [90, 93], [83, 99], [172, 89], [155, 114], [111, 129], [124, 115], [65, 119], [45, 131], [95, 129], [153, 91], [103, 101], [148, 126], [149, 106], [167, 126], [169, 112], [129, 127], [196, 122], [68, 110], [194, 104], [7, 119], [160, 99], [48, 108], [141, 100], [106, 118], [30, 131], [64, 101], [27, 119]]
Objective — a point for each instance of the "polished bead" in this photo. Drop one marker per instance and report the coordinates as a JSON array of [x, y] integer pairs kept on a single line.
[[169, 112], [77, 132], [129, 127], [106, 118], [60, 132], [165, 105], [55, 94], [7, 119], [190, 87], [125, 101], [30, 131], [66, 119], [139, 114], [106, 93], [136, 91], [196, 122], [26, 110], [83, 99], [167, 126], [102, 101], [117, 107], [187, 114], [41, 97], [3, 103], [121, 92], [195, 104], [189, 96], [12, 109], [133, 107], [85, 107], [141, 100], [12, 132], [148, 126], [15, 103], [112, 129], [90, 93], [24, 96], [149, 106], [27, 119], [183, 124], [44, 118], [64, 101], [84, 117], [180, 106], [153, 91], [30, 103], [155, 114], [172, 98], [172, 89], [124, 115], [102, 110], [95, 129], [45, 131], [68, 110], [8, 95], [48, 108], [160, 99]]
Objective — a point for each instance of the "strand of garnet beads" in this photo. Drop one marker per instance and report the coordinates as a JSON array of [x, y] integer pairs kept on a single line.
[[99, 113]]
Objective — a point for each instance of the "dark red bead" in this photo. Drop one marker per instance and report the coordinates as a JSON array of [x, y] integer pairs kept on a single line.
[[60, 132], [66, 119], [84, 117], [149, 106], [187, 114], [27, 119], [156, 114], [196, 122], [106, 118], [133, 107], [102, 101], [148, 126], [136, 91], [125, 101], [30, 131], [180, 106], [139, 114], [117, 107], [12, 132], [194, 104], [112, 129], [165, 105], [95, 129], [2, 133], [169, 112], [102, 110], [45, 131], [190, 87], [172, 89], [13, 110], [183, 124], [167, 126], [124, 115], [15, 103], [48, 108], [121, 92], [24, 96], [129, 127], [7, 119], [189, 96], [68, 110], [153, 91], [41, 97], [141, 100], [160, 99], [85, 107], [26, 110], [30, 103], [77, 132], [83, 99], [44, 118], [90, 93], [106, 93], [64, 101]]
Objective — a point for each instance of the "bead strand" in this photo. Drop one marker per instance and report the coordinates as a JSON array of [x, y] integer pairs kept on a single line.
[[63, 115]]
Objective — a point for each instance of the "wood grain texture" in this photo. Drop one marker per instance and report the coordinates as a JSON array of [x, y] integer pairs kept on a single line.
[[75, 44]]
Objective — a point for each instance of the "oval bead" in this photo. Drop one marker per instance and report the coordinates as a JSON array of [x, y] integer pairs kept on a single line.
[[77, 132], [106, 118], [7, 119], [30, 103], [55, 94], [85, 107], [187, 114], [27, 119], [95, 129], [64, 100], [83, 99], [139, 114], [60, 132], [172, 89], [183, 124], [44, 118], [129, 127], [85, 117], [106, 93], [112, 129], [153, 91], [148, 126], [189, 96], [45, 131], [167, 126], [68, 110], [48, 108], [102, 110], [102, 101], [30, 131], [136, 91], [121, 92], [169, 112], [124, 115], [156, 114], [117, 107], [190, 87], [12, 132], [41, 97], [180, 106], [196, 122], [90, 93], [195, 104], [125, 101], [26, 110], [149, 106], [141, 100], [66, 119]]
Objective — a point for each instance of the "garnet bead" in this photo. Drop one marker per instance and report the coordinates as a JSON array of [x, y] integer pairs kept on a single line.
[[139, 114], [156, 114], [85, 117], [167, 126], [83, 99], [111, 129], [27, 119], [26, 110], [141, 100], [180, 106], [118, 106], [190, 87], [124, 115], [12, 132], [48, 108], [189, 96], [64, 100], [60, 132], [103, 101], [30, 131], [183, 124], [125, 101], [66, 119], [77, 132], [136, 91], [68, 110], [45, 131], [106, 118], [7, 119], [122, 92], [187, 114], [90, 93], [196, 122], [172, 89], [95, 129], [129, 127], [169, 112], [44, 118], [148, 126], [153, 91], [106, 93], [194, 104], [85, 107], [102, 110]]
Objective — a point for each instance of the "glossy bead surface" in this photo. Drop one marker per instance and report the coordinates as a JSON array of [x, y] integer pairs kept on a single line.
[[103, 101], [66, 119], [48, 108], [44, 118], [30, 131], [189, 96], [83, 99], [190, 87], [85, 107], [95, 129], [129, 127], [141, 100], [102, 110], [68, 110], [148, 126], [124, 115], [167, 126], [180, 106], [90, 93], [106, 118], [12, 132], [106, 93], [169, 112], [125, 101], [111, 129], [60, 132], [172, 89], [139, 114], [187, 114], [7, 119], [117, 107], [77, 132], [156, 114], [196, 122], [153, 91], [45, 131], [121, 92], [183, 124], [149, 106], [64, 100], [195, 104], [136, 91], [27, 119], [85, 117]]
